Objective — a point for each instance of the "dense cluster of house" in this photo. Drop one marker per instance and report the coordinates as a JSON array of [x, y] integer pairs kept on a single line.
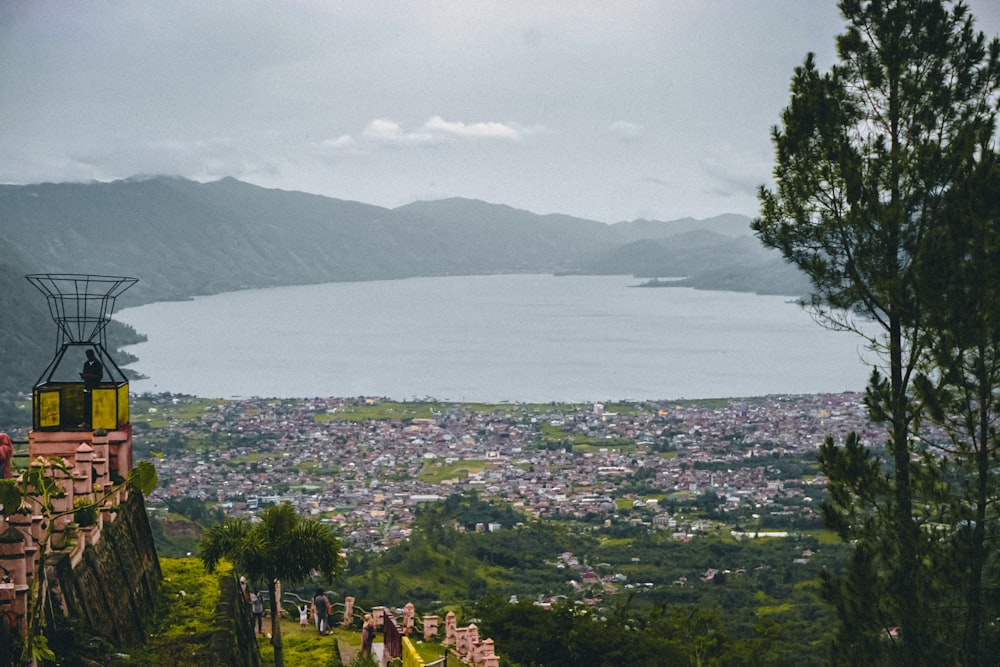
[[367, 476]]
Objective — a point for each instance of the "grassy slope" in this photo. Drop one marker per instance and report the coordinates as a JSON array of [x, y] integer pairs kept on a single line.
[[184, 626]]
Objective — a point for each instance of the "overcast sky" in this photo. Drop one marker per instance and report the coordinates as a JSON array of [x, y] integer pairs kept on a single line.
[[610, 110]]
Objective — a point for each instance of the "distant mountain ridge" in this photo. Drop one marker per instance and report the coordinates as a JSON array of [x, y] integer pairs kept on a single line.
[[183, 238]]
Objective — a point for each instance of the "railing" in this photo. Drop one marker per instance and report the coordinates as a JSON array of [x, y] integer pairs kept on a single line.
[[20, 452], [410, 656], [393, 638], [465, 641]]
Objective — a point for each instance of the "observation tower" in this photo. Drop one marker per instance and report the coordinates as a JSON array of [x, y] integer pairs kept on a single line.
[[70, 405]]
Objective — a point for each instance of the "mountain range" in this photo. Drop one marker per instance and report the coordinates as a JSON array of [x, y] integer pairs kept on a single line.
[[183, 238]]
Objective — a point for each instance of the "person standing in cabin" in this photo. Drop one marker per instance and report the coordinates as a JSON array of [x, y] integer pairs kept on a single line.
[[92, 374]]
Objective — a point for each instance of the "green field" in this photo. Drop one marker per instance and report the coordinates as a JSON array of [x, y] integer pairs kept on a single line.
[[435, 473]]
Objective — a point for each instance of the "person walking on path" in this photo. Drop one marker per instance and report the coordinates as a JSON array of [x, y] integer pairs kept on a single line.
[[322, 604], [257, 611]]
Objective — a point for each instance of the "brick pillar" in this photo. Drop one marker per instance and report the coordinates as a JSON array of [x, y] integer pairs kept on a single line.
[[473, 633], [348, 611], [484, 649], [14, 600], [378, 617], [120, 447], [408, 618], [449, 628], [22, 522], [101, 460], [37, 535], [462, 643], [430, 627], [83, 483], [12, 560], [61, 504]]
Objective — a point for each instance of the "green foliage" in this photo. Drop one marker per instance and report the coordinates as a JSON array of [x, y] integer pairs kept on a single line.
[[961, 394], [565, 636], [760, 602], [185, 615], [34, 492], [10, 496], [439, 564], [282, 547], [196, 510], [175, 536], [85, 513], [410, 410], [467, 510], [879, 162], [435, 472]]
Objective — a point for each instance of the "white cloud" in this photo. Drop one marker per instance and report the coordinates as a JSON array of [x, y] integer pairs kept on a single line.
[[384, 131], [341, 142], [489, 130], [625, 130], [436, 130]]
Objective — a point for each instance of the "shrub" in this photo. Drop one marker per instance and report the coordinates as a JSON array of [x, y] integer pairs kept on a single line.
[[85, 513]]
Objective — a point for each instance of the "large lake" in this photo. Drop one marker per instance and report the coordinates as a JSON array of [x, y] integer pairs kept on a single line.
[[518, 338]]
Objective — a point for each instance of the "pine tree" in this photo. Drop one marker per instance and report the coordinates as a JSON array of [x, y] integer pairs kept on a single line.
[[960, 284], [866, 157]]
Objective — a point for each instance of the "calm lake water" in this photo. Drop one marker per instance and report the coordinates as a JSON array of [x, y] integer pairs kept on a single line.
[[518, 338]]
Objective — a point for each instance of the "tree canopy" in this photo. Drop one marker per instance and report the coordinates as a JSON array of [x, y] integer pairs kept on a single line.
[[282, 547], [876, 164]]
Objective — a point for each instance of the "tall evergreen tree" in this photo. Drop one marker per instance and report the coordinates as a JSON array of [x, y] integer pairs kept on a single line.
[[866, 156], [960, 284]]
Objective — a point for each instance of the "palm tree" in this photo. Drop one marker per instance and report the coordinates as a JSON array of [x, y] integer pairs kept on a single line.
[[282, 547]]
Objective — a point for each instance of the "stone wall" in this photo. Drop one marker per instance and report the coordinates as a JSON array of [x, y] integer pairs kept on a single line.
[[110, 589], [113, 588], [233, 643]]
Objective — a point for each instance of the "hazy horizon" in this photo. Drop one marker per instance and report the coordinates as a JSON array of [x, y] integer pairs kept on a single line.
[[602, 110]]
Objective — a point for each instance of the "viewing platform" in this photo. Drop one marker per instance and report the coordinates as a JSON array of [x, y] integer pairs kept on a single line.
[[66, 398]]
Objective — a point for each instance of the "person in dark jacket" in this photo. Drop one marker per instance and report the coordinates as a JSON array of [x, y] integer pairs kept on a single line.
[[322, 605], [92, 374], [257, 610]]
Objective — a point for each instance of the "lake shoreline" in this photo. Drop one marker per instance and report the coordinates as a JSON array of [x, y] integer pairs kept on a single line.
[[509, 337]]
